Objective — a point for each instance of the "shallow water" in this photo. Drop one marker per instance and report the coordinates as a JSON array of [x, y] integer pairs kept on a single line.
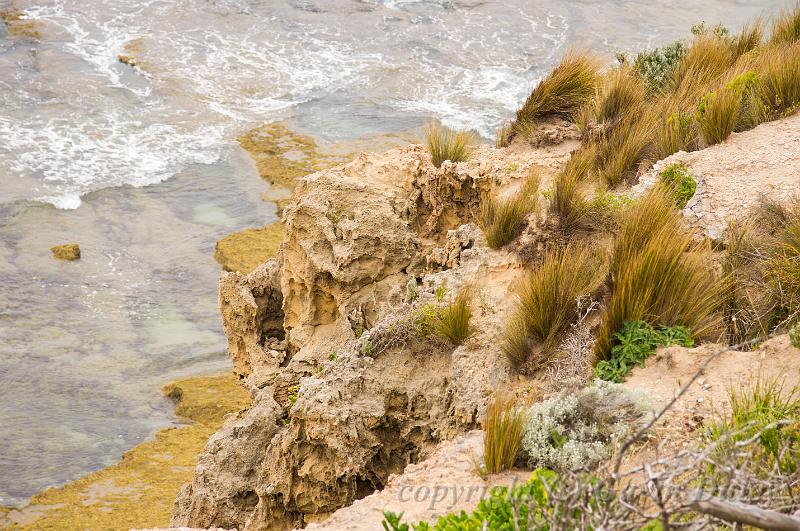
[[142, 166]]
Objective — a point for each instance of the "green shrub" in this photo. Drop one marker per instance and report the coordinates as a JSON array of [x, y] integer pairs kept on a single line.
[[579, 429], [446, 144], [770, 413], [502, 219], [503, 427], [453, 322], [676, 177], [503, 510], [636, 342], [546, 303], [562, 93], [656, 66]]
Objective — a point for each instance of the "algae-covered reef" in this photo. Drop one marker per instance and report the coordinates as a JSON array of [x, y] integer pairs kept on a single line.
[[140, 489], [566, 253]]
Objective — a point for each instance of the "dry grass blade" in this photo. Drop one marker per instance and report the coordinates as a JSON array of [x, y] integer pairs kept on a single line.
[[629, 143], [749, 38], [622, 91], [699, 68], [503, 428], [502, 219], [779, 88], [446, 144]]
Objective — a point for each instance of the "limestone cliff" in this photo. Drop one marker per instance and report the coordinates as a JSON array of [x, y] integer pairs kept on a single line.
[[346, 393]]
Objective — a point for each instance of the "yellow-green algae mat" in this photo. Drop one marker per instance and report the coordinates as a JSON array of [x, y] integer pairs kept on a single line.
[[139, 490]]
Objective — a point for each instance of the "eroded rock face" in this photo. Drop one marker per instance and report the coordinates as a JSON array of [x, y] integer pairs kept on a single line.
[[349, 416], [226, 476], [252, 315]]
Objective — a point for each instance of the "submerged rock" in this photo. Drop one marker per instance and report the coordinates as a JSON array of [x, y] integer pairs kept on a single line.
[[68, 251]]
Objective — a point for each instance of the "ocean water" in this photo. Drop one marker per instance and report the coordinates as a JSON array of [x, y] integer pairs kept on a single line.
[[139, 165]]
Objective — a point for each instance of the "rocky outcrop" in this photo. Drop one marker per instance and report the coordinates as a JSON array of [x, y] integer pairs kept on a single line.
[[68, 252], [327, 336], [227, 471], [734, 175]]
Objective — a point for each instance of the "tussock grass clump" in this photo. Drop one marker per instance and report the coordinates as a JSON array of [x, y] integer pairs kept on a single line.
[[628, 144], [718, 114], [547, 299], [453, 322], [562, 93], [567, 202], [501, 219], [783, 265], [779, 87], [767, 412], [708, 57], [503, 428], [622, 91], [749, 38], [786, 28], [660, 274], [446, 144], [676, 133]]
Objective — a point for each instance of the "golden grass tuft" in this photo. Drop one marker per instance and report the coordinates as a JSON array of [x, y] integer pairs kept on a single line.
[[547, 299], [454, 321], [447, 144], [568, 203], [786, 28], [562, 93], [660, 274], [677, 132], [779, 80], [749, 38], [629, 144], [622, 91], [501, 219], [700, 67], [503, 429], [718, 114]]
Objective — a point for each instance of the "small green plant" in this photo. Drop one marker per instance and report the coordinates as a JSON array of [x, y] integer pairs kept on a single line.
[[718, 30], [440, 291], [503, 510], [512, 167], [656, 66], [332, 356], [446, 144], [769, 412], [453, 322], [501, 219], [367, 348], [794, 335], [412, 291], [503, 427], [292, 392], [676, 177], [636, 342]]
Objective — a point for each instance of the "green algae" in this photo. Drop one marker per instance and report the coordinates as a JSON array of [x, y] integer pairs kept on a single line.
[[243, 251], [139, 490]]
